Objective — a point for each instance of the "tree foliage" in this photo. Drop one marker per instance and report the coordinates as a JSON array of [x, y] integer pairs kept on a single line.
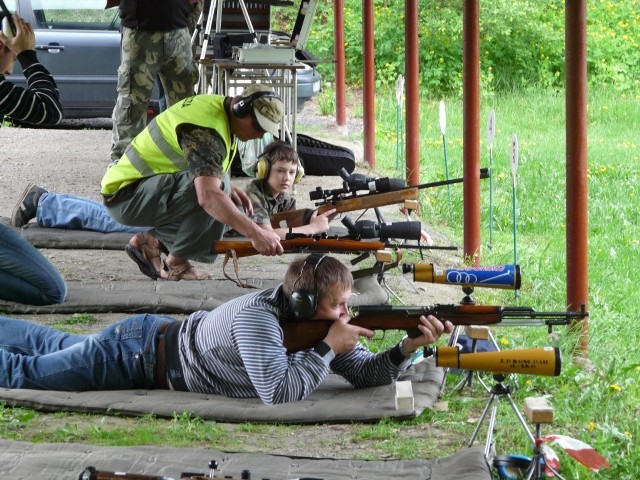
[[521, 42]]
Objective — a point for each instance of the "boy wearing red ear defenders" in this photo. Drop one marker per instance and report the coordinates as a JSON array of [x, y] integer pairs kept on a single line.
[[278, 169]]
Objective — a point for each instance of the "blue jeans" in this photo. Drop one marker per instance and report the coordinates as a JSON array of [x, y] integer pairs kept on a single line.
[[57, 210], [121, 356], [26, 276]]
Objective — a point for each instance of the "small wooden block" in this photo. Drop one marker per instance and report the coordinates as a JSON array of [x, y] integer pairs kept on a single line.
[[404, 395], [411, 204], [538, 410], [477, 332], [384, 256]]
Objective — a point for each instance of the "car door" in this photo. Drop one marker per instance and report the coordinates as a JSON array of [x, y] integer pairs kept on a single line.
[[78, 41]]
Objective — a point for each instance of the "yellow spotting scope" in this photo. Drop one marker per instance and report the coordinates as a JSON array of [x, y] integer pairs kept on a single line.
[[531, 361]]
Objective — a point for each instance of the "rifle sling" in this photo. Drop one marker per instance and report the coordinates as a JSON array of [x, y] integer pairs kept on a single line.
[[231, 253]]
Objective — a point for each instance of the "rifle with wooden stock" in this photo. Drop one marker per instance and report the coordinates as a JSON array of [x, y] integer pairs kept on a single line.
[[91, 473], [381, 192], [300, 243], [352, 243], [306, 334]]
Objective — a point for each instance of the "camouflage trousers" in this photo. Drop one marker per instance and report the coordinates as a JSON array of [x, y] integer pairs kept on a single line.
[[146, 55]]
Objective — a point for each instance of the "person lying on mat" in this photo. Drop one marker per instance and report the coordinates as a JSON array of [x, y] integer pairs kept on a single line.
[[26, 276], [277, 170], [174, 178], [235, 350], [62, 210]]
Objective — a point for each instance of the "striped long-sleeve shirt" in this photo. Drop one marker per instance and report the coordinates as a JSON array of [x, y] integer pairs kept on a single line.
[[39, 103], [237, 350]]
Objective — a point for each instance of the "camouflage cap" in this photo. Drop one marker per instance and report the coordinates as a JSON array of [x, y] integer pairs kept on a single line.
[[268, 110]]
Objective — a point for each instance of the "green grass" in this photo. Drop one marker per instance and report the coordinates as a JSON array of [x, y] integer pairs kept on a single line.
[[76, 323], [599, 407]]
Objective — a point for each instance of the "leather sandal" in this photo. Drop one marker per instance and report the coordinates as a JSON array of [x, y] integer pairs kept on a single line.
[[143, 255], [180, 272]]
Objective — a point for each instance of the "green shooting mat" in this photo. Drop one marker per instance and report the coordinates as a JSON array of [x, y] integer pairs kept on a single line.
[[146, 296], [46, 461], [335, 401]]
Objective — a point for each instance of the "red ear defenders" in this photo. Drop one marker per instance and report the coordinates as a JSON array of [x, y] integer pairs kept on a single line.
[[303, 303]]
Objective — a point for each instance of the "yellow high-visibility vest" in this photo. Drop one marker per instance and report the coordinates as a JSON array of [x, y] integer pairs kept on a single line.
[[156, 149]]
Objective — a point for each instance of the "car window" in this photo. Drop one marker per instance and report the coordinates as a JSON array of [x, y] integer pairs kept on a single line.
[[75, 15]]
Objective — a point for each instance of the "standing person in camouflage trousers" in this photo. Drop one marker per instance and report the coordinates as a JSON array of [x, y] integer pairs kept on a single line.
[[193, 24], [155, 42]]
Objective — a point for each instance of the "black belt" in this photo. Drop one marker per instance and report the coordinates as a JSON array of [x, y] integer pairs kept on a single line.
[[160, 370], [171, 356]]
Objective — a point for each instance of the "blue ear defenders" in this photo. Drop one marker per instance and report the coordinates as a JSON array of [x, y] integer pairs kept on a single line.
[[303, 303]]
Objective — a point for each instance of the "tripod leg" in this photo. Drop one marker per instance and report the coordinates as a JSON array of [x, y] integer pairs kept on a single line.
[[383, 283], [538, 461], [488, 444], [481, 382], [466, 380], [521, 419], [490, 402]]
